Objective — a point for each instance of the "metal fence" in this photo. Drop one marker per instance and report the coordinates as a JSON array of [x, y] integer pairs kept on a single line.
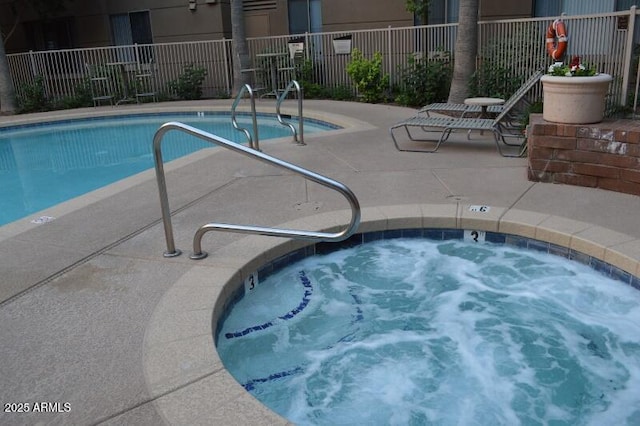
[[606, 41]]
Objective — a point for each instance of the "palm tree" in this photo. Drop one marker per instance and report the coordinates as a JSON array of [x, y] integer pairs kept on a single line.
[[464, 63], [7, 93], [240, 48]]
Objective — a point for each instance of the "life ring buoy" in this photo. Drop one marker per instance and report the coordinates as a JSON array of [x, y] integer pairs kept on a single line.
[[556, 39]]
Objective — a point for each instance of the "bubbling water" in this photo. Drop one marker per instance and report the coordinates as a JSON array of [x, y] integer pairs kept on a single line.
[[416, 331]]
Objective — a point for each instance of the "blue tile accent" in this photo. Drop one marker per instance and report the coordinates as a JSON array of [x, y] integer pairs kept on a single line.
[[250, 385], [579, 257], [373, 236], [326, 248], [513, 240], [452, 234], [280, 262], [600, 266], [635, 282], [237, 295], [559, 250], [494, 237], [265, 271], [412, 233], [433, 234], [538, 246], [393, 233], [308, 291], [297, 255], [620, 275]]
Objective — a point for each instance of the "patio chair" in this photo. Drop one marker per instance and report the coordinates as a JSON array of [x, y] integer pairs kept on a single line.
[[256, 79], [144, 80], [101, 84], [291, 69], [463, 109], [502, 126]]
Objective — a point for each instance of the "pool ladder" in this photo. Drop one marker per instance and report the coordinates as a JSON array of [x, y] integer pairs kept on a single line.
[[244, 229], [254, 141], [292, 84]]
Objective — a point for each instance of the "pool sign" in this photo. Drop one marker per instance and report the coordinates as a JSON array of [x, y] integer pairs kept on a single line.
[[250, 283], [473, 235], [481, 209]]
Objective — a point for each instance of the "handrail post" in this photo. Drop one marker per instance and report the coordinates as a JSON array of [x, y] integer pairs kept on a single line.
[[253, 141], [172, 251], [246, 229], [281, 98]]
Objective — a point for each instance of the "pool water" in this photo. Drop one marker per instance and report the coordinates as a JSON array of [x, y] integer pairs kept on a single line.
[[46, 164], [418, 331]]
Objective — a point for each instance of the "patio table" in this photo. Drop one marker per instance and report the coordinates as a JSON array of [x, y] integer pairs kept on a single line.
[[484, 103]]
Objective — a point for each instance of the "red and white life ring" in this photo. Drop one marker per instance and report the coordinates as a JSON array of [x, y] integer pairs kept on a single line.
[[556, 39]]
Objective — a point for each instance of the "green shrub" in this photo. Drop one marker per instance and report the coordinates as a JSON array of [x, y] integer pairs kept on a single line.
[[33, 98], [340, 93], [188, 86], [81, 97], [494, 81], [305, 73], [367, 76], [500, 67], [424, 82]]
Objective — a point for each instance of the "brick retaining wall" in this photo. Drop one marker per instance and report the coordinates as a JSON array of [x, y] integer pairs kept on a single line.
[[604, 155]]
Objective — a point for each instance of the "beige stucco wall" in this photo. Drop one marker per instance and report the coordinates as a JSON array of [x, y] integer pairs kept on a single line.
[[172, 21], [364, 14], [501, 9]]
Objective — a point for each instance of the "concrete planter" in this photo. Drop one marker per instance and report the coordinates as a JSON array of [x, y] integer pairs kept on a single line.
[[575, 100]]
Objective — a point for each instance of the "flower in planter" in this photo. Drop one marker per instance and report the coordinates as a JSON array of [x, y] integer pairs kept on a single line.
[[575, 69]]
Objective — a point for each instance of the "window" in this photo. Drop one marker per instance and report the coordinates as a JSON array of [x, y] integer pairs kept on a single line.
[[305, 16], [132, 28], [626, 4], [573, 7], [441, 12], [51, 34]]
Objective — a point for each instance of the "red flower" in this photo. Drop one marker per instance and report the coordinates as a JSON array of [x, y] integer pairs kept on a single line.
[[575, 62]]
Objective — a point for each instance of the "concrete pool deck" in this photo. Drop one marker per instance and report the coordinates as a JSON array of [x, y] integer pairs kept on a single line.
[[92, 314]]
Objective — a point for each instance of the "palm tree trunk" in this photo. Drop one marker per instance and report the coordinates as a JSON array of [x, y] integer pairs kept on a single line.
[[7, 93], [466, 50], [240, 47]]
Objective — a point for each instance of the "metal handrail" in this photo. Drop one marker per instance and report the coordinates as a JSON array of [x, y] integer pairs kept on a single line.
[[281, 98], [247, 229], [255, 144]]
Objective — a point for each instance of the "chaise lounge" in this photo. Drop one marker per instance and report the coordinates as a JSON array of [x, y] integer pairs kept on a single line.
[[501, 126]]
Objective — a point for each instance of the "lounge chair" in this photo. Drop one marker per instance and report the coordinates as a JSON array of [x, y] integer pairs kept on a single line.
[[463, 109], [501, 126], [460, 109]]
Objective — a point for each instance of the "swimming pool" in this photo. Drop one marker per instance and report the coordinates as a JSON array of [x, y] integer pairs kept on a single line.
[[465, 331], [45, 164]]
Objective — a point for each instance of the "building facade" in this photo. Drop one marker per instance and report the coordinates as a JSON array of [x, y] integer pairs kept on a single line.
[[99, 23]]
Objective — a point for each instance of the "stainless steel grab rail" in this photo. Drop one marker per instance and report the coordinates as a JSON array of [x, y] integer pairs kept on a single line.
[[253, 143], [247, 229], [281, 98]]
